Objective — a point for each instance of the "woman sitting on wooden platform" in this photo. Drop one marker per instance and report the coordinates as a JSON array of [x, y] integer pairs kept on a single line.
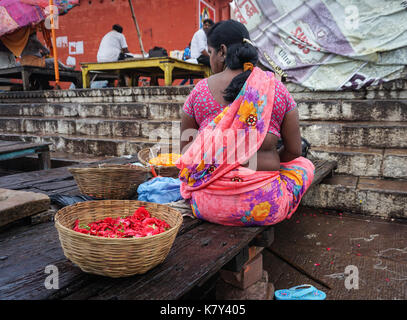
[[232, 172]]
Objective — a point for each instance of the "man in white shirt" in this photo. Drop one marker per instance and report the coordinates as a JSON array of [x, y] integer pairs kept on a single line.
[[199, 45], [112, 45]]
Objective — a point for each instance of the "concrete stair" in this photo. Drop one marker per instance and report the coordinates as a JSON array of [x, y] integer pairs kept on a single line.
[[93, 123], [104, 110], [88, 146], [111, 95], [364, 131]]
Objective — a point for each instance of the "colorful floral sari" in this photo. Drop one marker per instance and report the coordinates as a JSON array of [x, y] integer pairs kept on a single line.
[[224, 192]]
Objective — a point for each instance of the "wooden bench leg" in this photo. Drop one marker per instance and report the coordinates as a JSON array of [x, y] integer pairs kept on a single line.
[[238, 261], [85, 78], [167, 68], [45, 160], [168, 75], [25, 76], [264, 239]]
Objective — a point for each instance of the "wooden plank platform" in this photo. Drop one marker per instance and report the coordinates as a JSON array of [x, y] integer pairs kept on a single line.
[[26, 73], [162, 67], [15, 205], [17, 149], [27, 250]]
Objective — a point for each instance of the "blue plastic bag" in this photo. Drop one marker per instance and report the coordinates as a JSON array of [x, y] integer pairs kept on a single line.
[[160, 190], [99, 84]]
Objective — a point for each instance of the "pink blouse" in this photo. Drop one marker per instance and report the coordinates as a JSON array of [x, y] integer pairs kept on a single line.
[[201, 105]]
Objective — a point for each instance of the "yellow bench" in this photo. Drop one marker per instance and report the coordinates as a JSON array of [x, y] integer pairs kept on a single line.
[[161, 67]]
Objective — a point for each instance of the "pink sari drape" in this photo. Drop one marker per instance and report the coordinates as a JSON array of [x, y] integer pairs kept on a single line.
[[221, 190]]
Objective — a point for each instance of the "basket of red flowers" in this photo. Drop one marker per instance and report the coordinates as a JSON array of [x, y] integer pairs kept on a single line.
[[117, 238]]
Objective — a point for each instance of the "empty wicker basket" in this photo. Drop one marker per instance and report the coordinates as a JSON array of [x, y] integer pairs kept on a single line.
[[115, 257], [110, 181], [144, 156]]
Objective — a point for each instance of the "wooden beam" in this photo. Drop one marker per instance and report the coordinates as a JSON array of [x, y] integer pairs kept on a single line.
[[137, 28]]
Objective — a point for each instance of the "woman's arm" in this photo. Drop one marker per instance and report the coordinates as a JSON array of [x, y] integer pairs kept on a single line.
[[291, 136], [267, 156]]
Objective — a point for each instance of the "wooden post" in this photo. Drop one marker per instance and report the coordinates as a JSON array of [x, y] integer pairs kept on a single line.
[[54, 45], [85, 77], [167, 68], [25, 76], [45, 160], [138, 30]]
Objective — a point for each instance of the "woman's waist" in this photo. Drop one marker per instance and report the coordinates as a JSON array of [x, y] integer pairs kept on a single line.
[[264, 161]]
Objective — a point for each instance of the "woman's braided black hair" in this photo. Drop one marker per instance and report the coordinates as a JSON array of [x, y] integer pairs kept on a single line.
[[231, 33]]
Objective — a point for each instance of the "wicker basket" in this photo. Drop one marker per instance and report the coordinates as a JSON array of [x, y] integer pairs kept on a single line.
[[110, 181], [115, 257], [144, 156]]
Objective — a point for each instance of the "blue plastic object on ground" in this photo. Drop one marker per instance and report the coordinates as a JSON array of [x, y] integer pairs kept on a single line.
[[99, 84], [160, 190], [301, 292]]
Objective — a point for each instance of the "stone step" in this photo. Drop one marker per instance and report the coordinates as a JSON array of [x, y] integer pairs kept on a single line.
[[126, 94], [76, 157], [353, 110], [388, 163], [396, 89], [318, 133], [355, 134], [95, 146], [162, 110], [385, 163], [329, 137], [378, 94], [327, 110], [90, 127], [386, 198]]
